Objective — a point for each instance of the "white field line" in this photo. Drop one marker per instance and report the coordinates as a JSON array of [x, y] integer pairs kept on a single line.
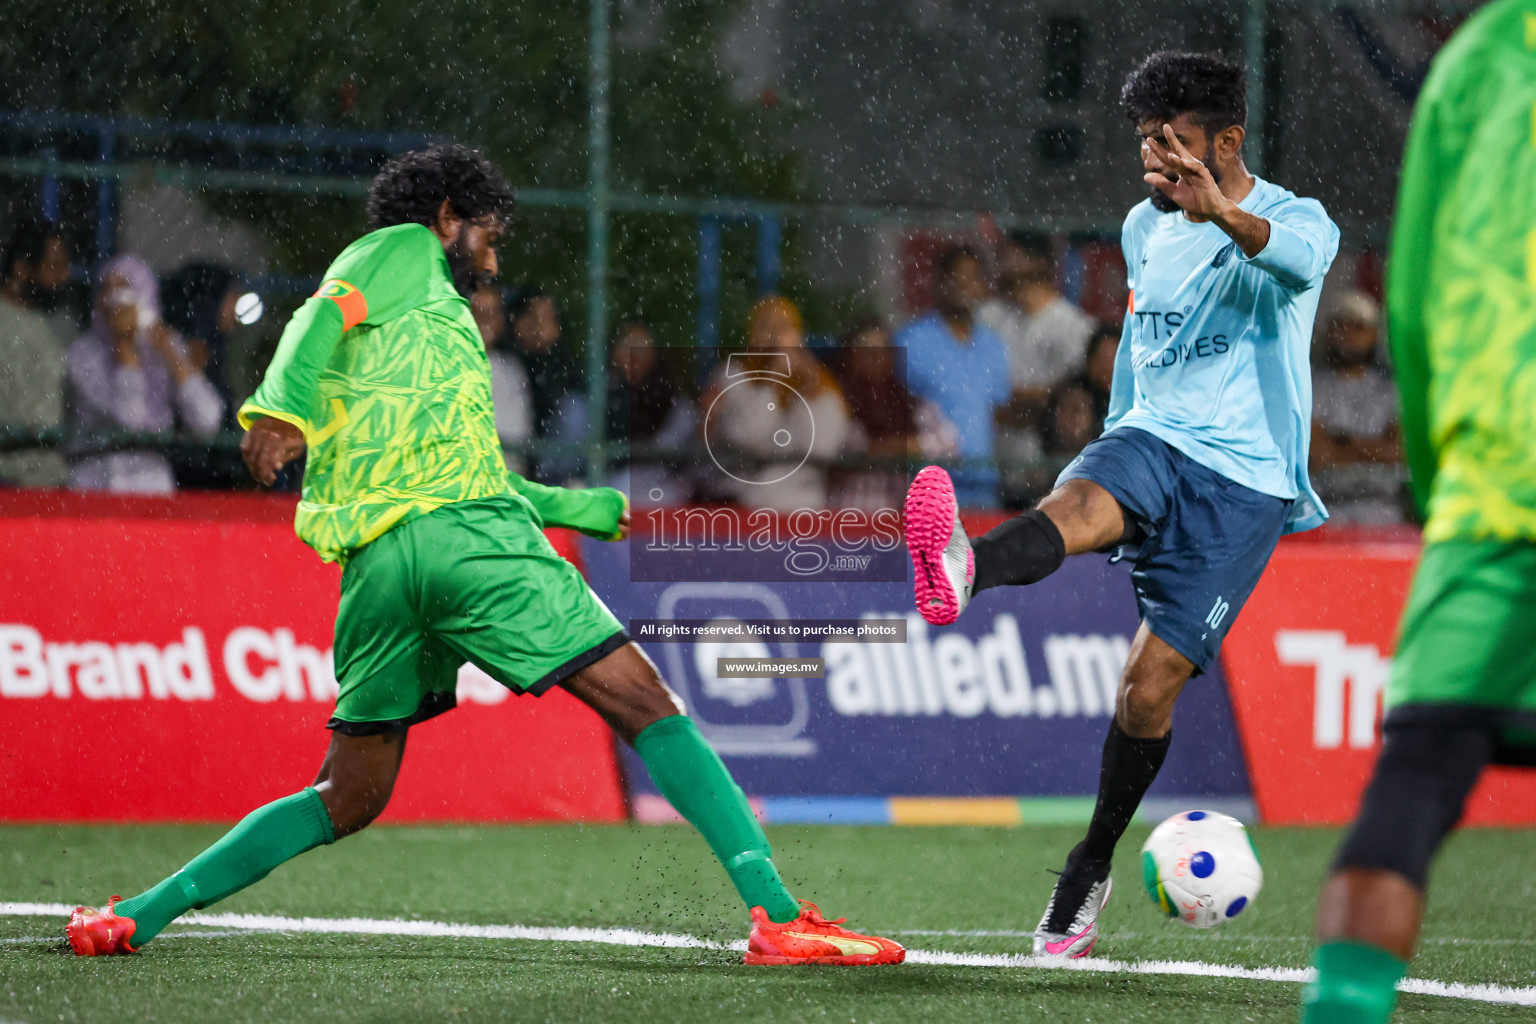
[[57, 938], [1183, 935], [634, 937]]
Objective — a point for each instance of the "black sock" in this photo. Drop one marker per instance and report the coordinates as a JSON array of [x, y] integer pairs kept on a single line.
[[1025, 549], [1128, 768]]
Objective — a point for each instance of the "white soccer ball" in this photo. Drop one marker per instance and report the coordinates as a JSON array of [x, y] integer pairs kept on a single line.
[[1200, 867]]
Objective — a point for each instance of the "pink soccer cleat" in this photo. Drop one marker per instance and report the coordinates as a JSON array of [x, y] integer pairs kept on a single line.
[[943, 565], [1071, 936]]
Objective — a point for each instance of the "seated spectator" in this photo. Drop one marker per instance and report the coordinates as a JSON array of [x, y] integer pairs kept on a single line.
[[1073, 420], [130, 372], [1046, 334], [40, 277], [646, 409], [199, 304], [1354, 418], [31, 361], [749, 418], [961, 366], [510, 390], [1074, 416], [1099, 367], [884, 419], [559, 406]]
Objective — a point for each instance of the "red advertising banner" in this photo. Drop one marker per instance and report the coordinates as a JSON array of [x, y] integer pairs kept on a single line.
[[168, 659], [1306, 664]]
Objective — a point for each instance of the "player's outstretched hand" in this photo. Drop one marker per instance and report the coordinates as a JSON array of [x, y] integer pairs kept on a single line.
[[270, 445], [1184, 179], [623, 525]]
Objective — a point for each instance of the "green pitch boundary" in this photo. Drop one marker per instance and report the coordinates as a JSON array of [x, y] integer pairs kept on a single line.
[[1499, 994]]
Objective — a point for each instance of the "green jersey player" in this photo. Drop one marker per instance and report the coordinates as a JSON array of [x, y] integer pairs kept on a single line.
[[1461, 306], [381, 377]]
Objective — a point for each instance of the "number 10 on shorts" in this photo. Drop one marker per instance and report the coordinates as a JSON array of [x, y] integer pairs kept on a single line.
[[1218, 614]]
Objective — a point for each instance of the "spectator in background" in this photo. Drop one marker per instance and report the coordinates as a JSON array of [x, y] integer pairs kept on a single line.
[[1077, 410], [510, 390], [889, 422], [749, 417], [31, 362], [198, 303], [1073, 421], [131, 372], [961, 366], [646, 409], [1099, 368], [37, 276], [1354, 418], [559, 407], [1046, 335]]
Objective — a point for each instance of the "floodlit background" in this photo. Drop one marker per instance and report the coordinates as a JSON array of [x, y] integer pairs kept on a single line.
[[694, 179], [674, 162]]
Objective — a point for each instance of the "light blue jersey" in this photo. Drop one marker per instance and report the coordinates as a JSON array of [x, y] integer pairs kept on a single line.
[[1214, 354]]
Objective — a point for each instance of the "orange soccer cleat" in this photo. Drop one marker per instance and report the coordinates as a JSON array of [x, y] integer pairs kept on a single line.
[[95, 932], [812, 939]]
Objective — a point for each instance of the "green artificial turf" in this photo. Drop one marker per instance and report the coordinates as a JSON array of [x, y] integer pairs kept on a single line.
[[914, 884]]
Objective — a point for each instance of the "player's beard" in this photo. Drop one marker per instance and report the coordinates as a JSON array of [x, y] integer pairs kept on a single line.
[[1162, 202], [461, 264]]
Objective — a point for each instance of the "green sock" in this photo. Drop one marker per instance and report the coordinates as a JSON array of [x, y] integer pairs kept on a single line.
[[691, 777], [1356, 984], [266, 837]]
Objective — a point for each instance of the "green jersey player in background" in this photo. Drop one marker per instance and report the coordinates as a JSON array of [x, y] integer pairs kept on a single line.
[[381, 377], [1461, 306]]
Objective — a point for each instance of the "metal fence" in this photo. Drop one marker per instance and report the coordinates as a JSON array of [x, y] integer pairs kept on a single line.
[[103, 152]]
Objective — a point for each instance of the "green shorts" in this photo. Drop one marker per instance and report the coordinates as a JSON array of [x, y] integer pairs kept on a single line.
[[474, 581], [1466, 652]]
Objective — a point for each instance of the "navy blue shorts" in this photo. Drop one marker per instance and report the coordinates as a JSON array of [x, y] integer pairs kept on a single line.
[[1201, 540]]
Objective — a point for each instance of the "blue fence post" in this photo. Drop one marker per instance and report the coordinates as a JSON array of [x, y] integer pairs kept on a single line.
[[50, 197], [770, 234], [707, 332], [106, 194]]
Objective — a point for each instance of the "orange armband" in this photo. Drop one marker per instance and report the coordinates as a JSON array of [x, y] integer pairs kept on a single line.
[[348, 298]]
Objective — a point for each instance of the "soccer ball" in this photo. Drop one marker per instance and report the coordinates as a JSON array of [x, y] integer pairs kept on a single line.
[[1200, 867]]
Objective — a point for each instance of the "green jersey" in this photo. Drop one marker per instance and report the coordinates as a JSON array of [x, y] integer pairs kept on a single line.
[[1461, 289], [384, 371]]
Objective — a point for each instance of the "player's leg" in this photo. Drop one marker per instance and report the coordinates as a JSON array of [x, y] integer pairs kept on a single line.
[[950, 568], [1369, 914], [385, 686], [1203, 543], [496, 593], [1134, 750], [1463, 683], [351, 790], [1084, 517], [625, 689]]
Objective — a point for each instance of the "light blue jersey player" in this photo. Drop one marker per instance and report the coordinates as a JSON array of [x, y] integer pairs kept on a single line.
[[1203, 462]]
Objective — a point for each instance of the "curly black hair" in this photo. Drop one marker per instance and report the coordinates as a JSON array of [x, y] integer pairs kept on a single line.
[[1211, 88], [411, 188]]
